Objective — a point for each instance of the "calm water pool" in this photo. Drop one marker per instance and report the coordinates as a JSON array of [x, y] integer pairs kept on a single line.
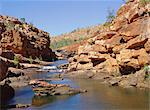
[[98, 97]]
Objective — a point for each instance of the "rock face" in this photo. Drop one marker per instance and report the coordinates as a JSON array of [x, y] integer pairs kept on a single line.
[[3, 69], [24, 39], [122, 49]]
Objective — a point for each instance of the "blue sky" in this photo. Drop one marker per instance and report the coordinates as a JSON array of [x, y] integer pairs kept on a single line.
[[60, 16]]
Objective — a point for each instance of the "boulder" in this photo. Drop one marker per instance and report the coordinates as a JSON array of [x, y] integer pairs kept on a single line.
[[6, 93], [135, 28], [3, 69], [106, 35], [137, 42], [147, 46], [42, 88]]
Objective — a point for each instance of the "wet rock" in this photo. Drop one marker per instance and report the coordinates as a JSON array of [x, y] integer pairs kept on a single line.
[[3, 69], [114, 81], [42, 88], [6, 93], [63, 66], [16, 106], [81, 74]]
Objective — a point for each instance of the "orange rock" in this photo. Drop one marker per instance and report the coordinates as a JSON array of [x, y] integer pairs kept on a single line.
[[83, 58], [137, 42], [118, 48], [99, 48], [105, 35], [135, 28], [25, 39], [143, 58], [147, 46]]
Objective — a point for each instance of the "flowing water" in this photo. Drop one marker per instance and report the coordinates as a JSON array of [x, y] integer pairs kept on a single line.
[[98, 97]]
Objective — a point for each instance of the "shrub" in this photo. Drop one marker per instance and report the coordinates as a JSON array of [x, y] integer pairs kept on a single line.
[[110, 17], [16, 61], [144, 2], [62, 43], [146, 69], [30, 60], [23, 20]]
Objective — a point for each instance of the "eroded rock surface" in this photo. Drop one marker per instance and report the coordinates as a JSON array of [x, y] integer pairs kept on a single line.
[[42, 88], [24, 39], [121, 50]]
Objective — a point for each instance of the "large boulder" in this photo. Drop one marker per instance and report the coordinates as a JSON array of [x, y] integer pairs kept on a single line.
[[6, 93], [3, 69]]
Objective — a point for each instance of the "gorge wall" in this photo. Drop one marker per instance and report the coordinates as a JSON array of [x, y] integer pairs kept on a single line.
[[122, 49], [22, 38]]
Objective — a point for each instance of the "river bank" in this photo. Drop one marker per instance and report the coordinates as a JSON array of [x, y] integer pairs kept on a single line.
[[99, 96]]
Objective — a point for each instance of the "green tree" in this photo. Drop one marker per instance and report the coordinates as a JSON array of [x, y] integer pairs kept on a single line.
[[23, 20], [110, 17]]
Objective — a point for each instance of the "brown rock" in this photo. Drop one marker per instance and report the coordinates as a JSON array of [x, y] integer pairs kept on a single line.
[[143, 58], [147, 46], [25, 39], [85, 66], [99, 48], [3, 69], [130, 30], [136, 43], [118, 48], [105, 35], [83, 59]]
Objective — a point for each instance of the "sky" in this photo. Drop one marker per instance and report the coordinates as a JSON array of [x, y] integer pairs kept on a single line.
[[60, 16]]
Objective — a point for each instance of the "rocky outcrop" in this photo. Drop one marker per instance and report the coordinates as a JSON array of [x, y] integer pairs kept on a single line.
[[3, 69], [24, 39], [43, 88], [122, 49]]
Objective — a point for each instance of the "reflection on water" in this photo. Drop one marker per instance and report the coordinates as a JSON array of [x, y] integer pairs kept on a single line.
[[98, 97], [114, 97], [40, 101]]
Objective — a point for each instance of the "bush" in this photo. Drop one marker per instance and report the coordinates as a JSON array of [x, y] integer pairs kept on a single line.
[[23, 20], [144, 2], [65, 42], [146, 69], [30, 60], [62, 43], [16, 61], [109, 18]]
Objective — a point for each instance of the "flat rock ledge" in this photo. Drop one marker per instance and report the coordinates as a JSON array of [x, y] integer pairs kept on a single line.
[[139, 79], [43, 88]]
